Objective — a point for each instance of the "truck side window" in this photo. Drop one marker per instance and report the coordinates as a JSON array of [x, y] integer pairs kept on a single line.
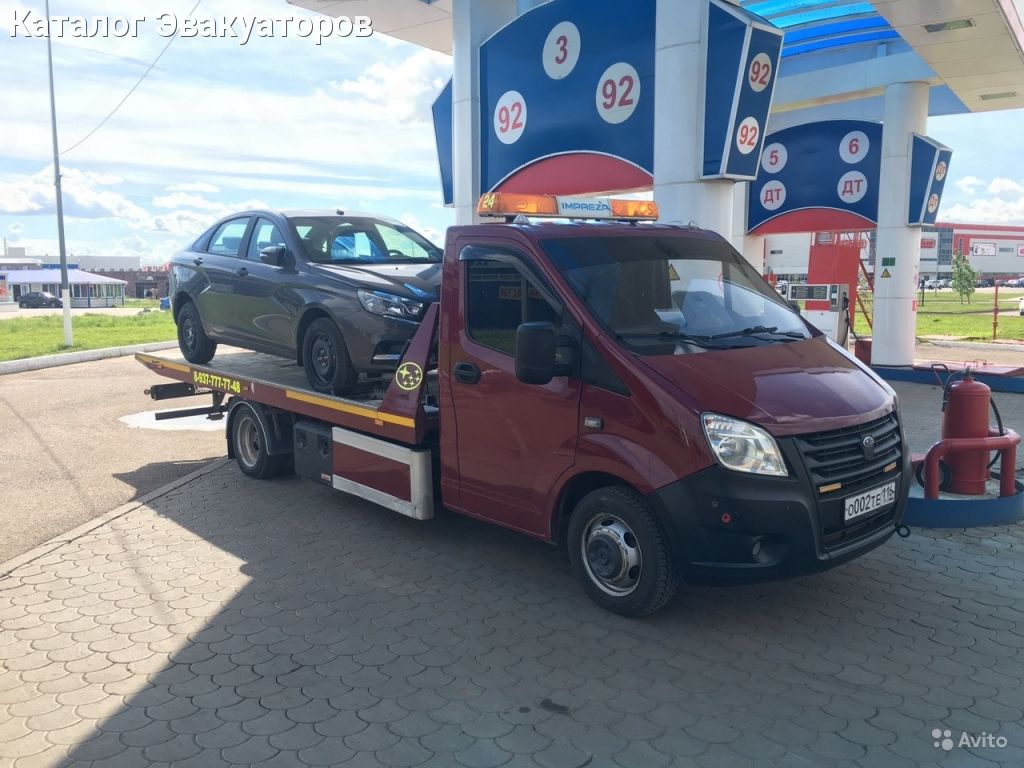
[[499, 297]]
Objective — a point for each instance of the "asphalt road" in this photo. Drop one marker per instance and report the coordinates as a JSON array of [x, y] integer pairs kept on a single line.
[[66, 457]]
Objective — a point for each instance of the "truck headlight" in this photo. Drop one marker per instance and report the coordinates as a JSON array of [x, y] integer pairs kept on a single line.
[[743, 447], [389, 305]]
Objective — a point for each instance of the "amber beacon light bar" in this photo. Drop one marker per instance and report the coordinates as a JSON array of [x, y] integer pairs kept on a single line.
[[560, 207]]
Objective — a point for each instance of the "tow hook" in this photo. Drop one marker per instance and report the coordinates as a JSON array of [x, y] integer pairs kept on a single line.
[[903, 531]]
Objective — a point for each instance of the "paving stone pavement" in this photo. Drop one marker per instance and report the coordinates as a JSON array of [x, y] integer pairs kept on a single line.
[[229, 622]]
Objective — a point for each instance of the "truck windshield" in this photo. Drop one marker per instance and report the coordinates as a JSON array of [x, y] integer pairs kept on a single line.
[[674, 295]]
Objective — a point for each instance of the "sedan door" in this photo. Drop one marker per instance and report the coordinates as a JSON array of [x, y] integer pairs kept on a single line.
[[218, 306], [263, 292]]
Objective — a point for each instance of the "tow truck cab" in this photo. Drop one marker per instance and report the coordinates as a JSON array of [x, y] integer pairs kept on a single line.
[[636, 393]]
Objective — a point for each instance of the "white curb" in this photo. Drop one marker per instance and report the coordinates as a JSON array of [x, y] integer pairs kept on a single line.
[[69, 358]]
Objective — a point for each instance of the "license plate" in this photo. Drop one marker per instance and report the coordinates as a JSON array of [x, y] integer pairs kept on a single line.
[[869, 501]]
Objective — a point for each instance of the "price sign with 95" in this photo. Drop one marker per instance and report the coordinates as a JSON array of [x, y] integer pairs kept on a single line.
[[215, 381]]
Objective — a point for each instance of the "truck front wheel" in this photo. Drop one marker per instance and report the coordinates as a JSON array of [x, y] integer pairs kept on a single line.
[[620, 553], [250, 444]]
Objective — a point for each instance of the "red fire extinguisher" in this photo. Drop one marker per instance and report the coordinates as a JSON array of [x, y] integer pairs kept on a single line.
[[965, 406]]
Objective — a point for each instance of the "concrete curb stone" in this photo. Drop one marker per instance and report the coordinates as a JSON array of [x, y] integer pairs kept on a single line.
[[85, 356]]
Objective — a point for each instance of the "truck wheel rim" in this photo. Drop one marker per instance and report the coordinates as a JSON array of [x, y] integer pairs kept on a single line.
[[323, 357], [248, 442], [611, 555]]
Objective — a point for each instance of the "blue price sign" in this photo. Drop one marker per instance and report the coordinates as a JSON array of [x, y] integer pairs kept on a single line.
[[929, 167], [442, 113], [563, 91], [743, 53], [826, 173]]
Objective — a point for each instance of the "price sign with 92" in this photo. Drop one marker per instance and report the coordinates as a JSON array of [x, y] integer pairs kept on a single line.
[[510, 117]]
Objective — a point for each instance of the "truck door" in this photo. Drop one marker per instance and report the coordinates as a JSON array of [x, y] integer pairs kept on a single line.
[[514, 440]]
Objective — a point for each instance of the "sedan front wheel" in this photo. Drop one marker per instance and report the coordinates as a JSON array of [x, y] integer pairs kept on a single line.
[[325, 358]]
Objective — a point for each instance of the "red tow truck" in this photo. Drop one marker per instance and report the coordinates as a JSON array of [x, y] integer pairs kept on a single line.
[[632, 391]]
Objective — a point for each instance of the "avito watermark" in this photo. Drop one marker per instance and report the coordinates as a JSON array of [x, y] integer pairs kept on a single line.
[[942, 738]]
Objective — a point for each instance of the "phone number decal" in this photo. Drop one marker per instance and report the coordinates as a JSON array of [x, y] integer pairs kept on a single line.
[[224, 383]]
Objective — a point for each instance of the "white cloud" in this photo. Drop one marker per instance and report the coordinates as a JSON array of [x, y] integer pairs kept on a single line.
[[403, 89], [183, 200], [84, 196], [433, 235], [194, 186], [969, 184], [1003, 187], [14, 232], [993, 210]]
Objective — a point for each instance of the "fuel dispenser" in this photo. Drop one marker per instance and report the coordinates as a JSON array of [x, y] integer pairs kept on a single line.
[[827, 307]]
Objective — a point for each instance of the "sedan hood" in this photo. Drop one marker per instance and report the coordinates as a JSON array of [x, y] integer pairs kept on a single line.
[[414, 281], [789, 388]]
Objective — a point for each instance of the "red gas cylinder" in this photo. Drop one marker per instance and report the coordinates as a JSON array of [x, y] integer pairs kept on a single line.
[[966, 415]]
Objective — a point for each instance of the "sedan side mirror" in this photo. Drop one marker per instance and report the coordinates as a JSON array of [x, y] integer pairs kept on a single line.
[[277, 256], [535, 353]]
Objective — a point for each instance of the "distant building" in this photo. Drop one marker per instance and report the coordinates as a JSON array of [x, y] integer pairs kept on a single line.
[[994, 251], [19, 262], [141, 282], [87, 289]]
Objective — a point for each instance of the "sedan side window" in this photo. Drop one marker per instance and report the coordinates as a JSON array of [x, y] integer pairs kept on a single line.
[[264, 235], [227, 240]]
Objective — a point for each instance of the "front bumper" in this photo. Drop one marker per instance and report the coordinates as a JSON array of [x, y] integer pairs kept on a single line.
[[728, 527]]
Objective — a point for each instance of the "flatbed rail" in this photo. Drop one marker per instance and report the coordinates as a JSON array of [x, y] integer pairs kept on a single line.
[[233, 375]]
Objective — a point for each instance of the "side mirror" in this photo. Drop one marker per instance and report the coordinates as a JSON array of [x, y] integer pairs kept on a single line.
[[535, 353], [276, 256]]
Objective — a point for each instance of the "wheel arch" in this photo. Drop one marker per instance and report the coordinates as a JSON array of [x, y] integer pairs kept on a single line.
[[312, 313], [181, 298], [277, 426], [572, 493]]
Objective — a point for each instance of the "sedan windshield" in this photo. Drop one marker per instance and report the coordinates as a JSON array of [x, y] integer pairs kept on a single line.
[[662, 295], [347, 240]]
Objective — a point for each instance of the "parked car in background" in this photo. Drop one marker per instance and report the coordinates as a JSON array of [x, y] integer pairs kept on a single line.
[[340, 294], [931, 284], [984, 282], [37, 299], [1015, 283]]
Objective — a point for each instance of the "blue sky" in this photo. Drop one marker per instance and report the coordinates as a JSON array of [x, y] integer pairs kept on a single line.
[[282, 123], [215, 127]]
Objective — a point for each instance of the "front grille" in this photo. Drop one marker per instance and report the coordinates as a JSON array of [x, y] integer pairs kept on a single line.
[[839, 456]]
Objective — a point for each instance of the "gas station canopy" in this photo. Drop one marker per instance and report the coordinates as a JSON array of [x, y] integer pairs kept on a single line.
[[970, 51]]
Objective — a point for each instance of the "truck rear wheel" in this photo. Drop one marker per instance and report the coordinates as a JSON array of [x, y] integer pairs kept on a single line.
[[250, 443], [620, 553]]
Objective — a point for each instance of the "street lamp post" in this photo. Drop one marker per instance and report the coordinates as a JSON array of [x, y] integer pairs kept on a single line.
[[65, 288]]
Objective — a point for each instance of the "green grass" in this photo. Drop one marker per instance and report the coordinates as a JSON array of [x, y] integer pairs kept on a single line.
[[942, 314], [34, 336], [142, 303]]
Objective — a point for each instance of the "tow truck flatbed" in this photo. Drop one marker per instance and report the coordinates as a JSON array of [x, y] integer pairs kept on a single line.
[[402, 414], [280, 383]]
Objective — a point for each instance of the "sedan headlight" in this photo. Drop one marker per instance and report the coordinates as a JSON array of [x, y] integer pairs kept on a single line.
[[389, 305], [743, 447]]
